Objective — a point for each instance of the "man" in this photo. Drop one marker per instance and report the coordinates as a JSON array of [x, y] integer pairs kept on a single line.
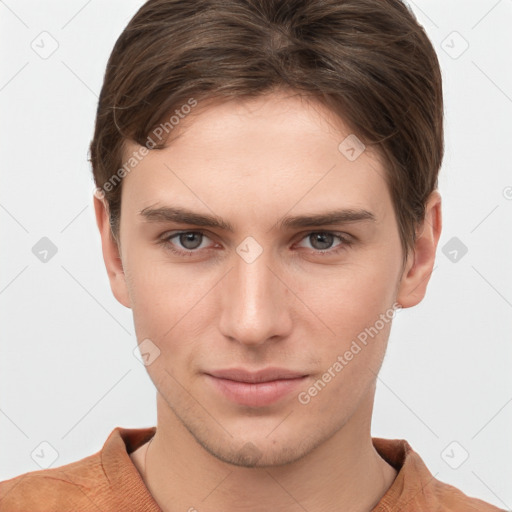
[[267, 199]]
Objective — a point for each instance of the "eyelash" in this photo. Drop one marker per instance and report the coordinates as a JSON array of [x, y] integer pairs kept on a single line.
[[345, 242]]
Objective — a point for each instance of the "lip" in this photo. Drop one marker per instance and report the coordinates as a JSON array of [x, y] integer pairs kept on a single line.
[[264, 375], [256, 389]]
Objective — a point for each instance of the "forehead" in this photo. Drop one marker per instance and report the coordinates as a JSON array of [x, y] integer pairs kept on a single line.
[[274, 148]]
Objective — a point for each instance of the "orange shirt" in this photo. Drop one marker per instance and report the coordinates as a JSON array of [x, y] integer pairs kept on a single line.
[[109, 481]]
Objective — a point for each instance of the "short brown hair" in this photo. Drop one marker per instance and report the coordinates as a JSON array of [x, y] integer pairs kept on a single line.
[[368, 61]]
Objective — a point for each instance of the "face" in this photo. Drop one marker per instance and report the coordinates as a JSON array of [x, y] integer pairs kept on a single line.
[[253, 243]]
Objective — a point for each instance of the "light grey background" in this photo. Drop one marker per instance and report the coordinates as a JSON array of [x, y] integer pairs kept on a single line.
[[68, 375]]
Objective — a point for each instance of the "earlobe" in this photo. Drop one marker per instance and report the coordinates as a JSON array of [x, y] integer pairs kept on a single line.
[[420, 263], [111, 253]]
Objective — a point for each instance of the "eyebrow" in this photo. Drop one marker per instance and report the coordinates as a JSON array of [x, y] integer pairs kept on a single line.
[[185, 216]]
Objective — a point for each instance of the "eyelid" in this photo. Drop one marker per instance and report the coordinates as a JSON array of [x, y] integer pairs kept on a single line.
[[169, 235], [344, 238], [341, 234]]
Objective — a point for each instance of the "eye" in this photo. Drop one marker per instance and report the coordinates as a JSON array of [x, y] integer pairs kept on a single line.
[[187, 242], [190, 240], [322, 241]]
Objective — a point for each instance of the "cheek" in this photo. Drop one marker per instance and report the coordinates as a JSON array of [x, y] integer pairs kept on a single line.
[[168, 303], [355, 307], [351, 297], [161, 303], [154, 293], [349, 366]]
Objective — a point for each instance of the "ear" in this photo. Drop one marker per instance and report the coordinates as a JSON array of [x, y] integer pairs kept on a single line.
[[420, 261], [111, 253]]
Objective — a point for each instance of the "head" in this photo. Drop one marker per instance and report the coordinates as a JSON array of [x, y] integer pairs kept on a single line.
[[267, 178]]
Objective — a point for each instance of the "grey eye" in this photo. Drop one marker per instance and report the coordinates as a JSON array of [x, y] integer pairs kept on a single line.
[[321, 241], [190, 240]]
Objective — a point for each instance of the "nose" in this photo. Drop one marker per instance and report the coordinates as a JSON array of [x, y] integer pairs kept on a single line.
[[255, 302]]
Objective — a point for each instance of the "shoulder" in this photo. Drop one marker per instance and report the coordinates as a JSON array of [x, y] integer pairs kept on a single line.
[[451, 499], [106, 480], [66, 487], [415, 489]]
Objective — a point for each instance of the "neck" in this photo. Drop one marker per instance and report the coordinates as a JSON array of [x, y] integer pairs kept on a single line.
[[344, 470]]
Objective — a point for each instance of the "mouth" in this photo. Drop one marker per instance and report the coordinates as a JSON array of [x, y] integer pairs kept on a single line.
[[256, 389]]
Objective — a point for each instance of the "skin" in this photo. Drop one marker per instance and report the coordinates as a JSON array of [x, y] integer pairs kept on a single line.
[[251, 163]]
